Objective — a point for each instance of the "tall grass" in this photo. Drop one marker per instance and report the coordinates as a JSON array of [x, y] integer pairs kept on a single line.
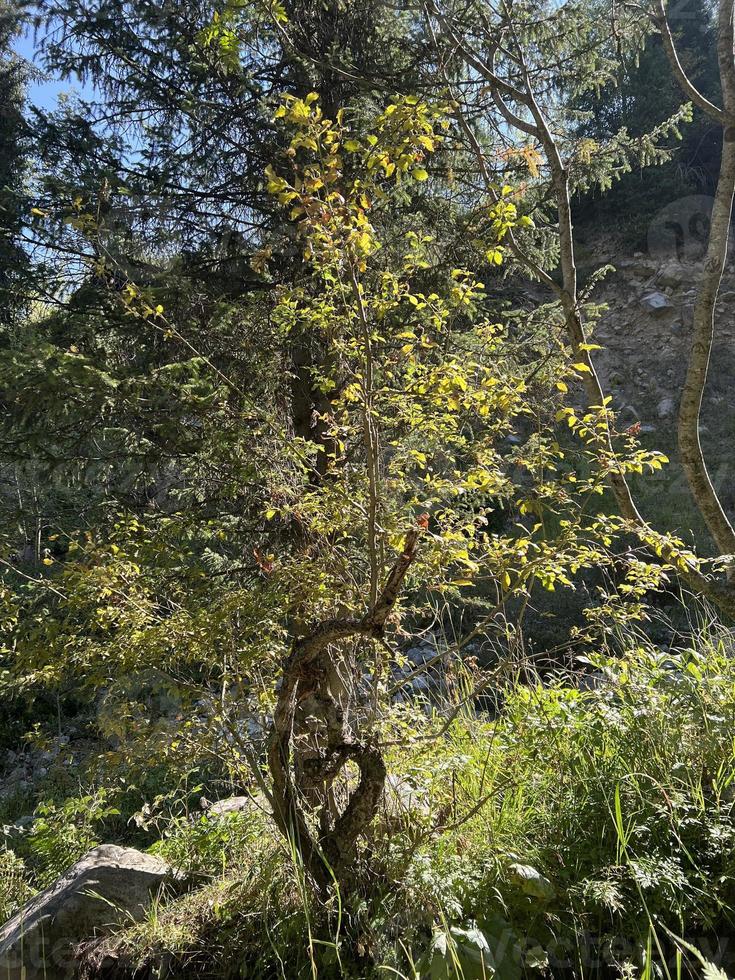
[[588, 830]]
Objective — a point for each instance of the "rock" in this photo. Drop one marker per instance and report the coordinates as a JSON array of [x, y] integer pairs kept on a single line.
[[531, 882], [640, 266], [108, 885], [422, 685], [666, 407], [687, 314], [402, 802], [420, 655], [239, 804], [234, 804], [671, 275], [593, 680], [655, 302]]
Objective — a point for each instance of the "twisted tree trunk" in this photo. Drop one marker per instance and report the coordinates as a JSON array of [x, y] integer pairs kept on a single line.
[[303, 775]]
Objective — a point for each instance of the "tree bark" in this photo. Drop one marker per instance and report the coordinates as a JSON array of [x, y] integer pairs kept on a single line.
[[328, 853]]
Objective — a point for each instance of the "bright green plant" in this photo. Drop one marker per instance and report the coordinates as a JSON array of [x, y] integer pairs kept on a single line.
[[61, 834], [15, 886]]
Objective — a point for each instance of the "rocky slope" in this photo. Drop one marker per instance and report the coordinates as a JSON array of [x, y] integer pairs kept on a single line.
[[645, 334]]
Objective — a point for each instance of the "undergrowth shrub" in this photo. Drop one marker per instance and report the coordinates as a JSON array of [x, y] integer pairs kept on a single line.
[[62, 833], [209, 844], [587, 830], [15, 887]]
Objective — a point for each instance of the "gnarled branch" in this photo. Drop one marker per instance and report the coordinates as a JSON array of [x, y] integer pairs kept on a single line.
[[306, 672]]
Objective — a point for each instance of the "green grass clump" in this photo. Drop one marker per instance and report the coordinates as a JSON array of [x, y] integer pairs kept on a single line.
[[15, 886]]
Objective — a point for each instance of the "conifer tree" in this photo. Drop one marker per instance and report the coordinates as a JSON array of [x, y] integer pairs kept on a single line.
[[13, 260], [643, 92]]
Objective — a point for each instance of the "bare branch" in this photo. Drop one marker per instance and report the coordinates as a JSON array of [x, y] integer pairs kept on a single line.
[[690, 90]]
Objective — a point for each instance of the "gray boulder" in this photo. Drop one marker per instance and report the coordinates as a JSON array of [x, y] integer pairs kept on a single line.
[[420, 655], [666, 407], [233, 804], [108, 885], [639, 266], [656, 302], [238, 804], [671, 275], [402, 803]]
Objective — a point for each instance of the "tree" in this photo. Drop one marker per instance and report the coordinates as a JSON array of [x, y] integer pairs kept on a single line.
[[518, 69], [690, 409], [644, 92], [260, 549], [140, 186], [13, 261], [417, 382]]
